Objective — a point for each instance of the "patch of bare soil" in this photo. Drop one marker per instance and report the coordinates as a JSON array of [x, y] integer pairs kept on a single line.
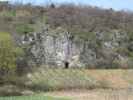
[[98, 94]]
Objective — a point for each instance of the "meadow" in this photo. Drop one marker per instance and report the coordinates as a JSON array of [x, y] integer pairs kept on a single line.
[[60, 79], [77, 84]]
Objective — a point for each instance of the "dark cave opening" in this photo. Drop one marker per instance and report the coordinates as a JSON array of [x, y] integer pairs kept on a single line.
[[66, 65]]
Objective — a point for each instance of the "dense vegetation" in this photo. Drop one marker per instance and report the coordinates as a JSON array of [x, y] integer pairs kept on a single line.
[[74, 18], [89, 19]]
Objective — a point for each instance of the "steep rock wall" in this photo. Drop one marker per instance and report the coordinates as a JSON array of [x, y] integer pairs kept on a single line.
[[59, 48]]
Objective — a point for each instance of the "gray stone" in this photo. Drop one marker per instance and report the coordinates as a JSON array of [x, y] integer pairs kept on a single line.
[[59, 48]]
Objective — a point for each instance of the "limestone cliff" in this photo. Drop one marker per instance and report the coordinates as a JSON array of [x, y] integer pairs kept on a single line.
[[59, 48]]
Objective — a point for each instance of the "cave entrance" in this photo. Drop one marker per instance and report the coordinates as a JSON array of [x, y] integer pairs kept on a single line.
[[66, 65]]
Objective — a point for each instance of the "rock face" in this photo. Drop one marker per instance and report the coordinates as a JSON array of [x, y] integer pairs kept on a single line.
[[60, 48], [54, 49]]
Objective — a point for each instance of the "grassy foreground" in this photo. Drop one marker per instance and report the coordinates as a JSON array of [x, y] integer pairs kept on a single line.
[[39, 97], [60, 79], [68, 80]]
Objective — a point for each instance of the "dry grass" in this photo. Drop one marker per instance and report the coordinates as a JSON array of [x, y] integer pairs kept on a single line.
[[114, 78], [67, 79], [76, 83], [60, 79]]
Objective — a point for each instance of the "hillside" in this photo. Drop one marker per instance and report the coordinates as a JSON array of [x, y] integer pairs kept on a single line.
[[76, 52], [89, 37], [76, 19]]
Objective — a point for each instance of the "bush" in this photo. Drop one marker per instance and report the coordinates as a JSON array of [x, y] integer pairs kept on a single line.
[[86, 35], [24, 28], [8, 54], [8, 13]]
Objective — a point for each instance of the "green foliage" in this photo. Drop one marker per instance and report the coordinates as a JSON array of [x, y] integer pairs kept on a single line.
[[24, 28], [123, 50], [130, 35], [8, 53], [19, 51], [86, 35], [11, 13], [7, 58]]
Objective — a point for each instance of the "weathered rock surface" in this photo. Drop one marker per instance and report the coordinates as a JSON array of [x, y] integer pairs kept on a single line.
[[55, 48]]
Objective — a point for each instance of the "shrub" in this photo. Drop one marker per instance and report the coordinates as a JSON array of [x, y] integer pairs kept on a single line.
[[24, 28], [8, 13], [86, 35], [8, 54]]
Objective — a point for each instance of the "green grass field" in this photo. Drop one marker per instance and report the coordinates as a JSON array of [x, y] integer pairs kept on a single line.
[[37, 97]]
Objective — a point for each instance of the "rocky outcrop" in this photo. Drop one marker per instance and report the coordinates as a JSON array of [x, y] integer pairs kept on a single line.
[[59, 48], [54, 49]]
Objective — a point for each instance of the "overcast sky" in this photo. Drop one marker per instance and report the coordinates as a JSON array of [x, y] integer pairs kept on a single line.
[[116, 4]]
